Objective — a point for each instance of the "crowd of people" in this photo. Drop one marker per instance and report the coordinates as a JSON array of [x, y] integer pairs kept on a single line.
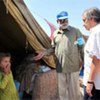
[[71, 53]]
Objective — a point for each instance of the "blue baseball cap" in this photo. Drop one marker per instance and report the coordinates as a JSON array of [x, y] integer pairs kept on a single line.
[[62, 15]]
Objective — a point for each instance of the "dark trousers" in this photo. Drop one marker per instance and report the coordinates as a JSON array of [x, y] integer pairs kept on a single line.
[[95, 93]]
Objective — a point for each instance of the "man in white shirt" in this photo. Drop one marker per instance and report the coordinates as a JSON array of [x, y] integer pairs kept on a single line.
[[91, 20]]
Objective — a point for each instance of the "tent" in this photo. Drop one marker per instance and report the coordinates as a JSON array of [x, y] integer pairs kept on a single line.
[[20, 33]]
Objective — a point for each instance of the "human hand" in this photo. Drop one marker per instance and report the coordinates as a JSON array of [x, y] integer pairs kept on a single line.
[[39, 56], [89, 88]]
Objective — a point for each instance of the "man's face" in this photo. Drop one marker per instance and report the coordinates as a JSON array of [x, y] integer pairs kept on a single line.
[[86, 22], [62, 22], [5, 62]]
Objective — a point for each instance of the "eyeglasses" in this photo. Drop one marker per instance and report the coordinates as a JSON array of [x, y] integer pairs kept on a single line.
[[62, 20], [84, 19]]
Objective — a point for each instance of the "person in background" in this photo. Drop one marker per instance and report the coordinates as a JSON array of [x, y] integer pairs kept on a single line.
[[67, 43], [91, 80], [7, 87]]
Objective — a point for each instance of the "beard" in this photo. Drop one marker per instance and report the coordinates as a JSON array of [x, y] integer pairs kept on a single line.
[[62, 26]]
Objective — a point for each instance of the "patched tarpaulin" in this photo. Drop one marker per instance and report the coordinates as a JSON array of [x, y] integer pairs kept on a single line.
[[33, 33]]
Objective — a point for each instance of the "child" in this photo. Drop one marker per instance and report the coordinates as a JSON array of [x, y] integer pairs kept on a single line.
[[7, 87]]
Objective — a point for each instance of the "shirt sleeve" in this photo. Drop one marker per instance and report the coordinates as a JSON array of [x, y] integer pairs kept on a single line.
[[80, 43], [3, 81], [98, 46], [94, 49]]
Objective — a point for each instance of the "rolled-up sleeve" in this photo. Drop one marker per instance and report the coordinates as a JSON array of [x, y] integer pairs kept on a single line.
[[94, 48]]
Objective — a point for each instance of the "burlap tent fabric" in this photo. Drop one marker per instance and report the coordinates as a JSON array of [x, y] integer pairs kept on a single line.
[[46, 86], [34, 33]]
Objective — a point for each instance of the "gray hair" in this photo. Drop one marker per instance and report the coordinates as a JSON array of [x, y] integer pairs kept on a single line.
[[93, 13]]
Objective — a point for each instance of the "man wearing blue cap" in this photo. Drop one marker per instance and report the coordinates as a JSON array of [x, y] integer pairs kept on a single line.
[[67, 45]]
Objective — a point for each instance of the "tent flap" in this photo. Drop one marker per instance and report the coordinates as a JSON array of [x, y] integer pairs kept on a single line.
[[36, 37]]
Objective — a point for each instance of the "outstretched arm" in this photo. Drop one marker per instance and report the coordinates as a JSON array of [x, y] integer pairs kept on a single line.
[[41, 54]]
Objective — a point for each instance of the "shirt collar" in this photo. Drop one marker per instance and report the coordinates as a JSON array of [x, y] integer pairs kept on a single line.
[[94, 28], [68, 28], [61, 31]]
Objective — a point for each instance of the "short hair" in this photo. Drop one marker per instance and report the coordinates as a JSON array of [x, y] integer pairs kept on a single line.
[[93, 13], [2, 55]]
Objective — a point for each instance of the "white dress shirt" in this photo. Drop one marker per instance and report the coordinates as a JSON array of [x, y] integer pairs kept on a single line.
[[92, 48]]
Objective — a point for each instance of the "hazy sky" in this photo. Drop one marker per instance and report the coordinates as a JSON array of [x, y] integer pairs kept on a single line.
[[50, 8]]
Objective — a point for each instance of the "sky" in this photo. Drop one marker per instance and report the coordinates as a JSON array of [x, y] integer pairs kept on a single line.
[[49, 9]]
